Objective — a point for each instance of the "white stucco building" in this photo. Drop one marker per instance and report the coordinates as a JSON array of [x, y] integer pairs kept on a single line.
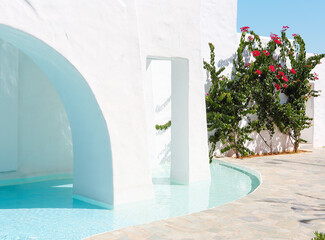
[[80, 91]]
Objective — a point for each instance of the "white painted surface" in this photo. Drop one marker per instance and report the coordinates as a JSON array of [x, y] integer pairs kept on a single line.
[[39, 128], [180, 164], [172, 30], [45, 143], [158, 96], [319, 107], [9, 58], [219, 26]]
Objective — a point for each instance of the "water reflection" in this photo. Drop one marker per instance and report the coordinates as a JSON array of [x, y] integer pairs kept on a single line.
[[46, 210]]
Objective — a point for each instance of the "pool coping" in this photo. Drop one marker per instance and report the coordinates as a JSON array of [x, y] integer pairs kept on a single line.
[[245, 170], [269, 212]]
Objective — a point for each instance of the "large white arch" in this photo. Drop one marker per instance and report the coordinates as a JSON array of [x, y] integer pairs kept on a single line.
[[91, 143], [101, 40]]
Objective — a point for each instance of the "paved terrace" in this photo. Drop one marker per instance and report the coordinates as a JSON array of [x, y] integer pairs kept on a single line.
[[289, 204]]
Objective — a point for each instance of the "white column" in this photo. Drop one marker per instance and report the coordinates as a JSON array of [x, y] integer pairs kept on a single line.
[[189, 154], [180, 122]]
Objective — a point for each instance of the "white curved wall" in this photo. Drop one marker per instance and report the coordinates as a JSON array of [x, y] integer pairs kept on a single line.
[[9, 58], [44, 140], [71, 28], [39, 138]]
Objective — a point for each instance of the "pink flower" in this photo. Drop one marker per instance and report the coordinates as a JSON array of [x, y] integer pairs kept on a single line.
[[208, 94], [279, 66], [258, 72], [285, 79], [250, 38], [275, 38], [247, 65], [272, 68], [277, 86], [266, 53], [285, 28], [293, 71], [316, 78], [244, 29], [294, 35], [278, 76], [309, 85], [308, 66], [281, 73], [285, 85], [256, 53]]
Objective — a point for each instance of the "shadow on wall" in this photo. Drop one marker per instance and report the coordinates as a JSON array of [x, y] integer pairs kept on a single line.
[[161, 107], [280, 143], [91, 142], [165, 154], [229, 67]]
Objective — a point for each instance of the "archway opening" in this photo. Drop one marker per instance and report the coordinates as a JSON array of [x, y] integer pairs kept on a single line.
[[167, 90], [92, 161]]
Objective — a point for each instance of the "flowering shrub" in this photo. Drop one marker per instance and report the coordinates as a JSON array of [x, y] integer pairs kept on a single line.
[[263, 87], [289, 72], [280, 66], [293, 118]]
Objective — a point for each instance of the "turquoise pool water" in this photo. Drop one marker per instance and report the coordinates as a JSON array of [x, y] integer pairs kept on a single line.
[[46, 210]]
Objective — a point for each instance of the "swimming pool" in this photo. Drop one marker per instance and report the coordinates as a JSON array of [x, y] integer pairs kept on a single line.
[[46, 210]]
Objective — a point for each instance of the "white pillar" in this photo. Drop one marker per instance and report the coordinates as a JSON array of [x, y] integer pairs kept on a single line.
[[189, 154]]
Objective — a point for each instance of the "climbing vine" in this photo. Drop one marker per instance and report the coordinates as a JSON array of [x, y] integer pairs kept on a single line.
[[164, 126], [227, 103]]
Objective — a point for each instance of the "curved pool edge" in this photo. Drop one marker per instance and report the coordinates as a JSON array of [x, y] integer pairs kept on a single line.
[[263, 214], [245, 170]]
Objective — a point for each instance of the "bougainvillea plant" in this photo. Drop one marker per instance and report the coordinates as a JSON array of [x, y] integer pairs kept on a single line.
[[256, 67], [299, 69], [278, 66], [227, 103], [263, 73]]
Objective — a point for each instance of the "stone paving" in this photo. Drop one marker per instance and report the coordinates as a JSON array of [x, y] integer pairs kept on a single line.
[[289, 204]]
